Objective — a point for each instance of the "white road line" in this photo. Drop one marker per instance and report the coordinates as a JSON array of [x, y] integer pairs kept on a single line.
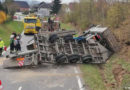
[[76, 71], [79, 80], [20, 88]]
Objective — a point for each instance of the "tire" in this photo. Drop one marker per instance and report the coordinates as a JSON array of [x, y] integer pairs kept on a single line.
[[87, 59], [82, 41], [60, 59], [68, 38], [74, 58], [53, 38]]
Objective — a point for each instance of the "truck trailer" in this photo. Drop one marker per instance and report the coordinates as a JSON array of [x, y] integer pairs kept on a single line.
[[95, 46]]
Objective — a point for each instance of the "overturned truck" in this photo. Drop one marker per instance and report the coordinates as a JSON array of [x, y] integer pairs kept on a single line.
[[95, 45]]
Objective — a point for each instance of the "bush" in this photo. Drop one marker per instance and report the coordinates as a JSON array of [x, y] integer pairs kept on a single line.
[[89, 12], [115, 15]]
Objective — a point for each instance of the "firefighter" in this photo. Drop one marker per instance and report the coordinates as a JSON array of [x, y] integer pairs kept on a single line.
[[50, 22], [19, 36], [1, 46], [15, 44], [15, 35], [18, 44], [11, 43]]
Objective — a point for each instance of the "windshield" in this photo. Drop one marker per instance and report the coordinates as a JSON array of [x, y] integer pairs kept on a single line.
[[30, 20]]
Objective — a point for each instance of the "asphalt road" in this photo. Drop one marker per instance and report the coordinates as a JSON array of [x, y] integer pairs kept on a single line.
[[44, 77]]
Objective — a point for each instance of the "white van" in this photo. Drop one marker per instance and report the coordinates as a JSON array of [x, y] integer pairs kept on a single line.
[[18, 16]]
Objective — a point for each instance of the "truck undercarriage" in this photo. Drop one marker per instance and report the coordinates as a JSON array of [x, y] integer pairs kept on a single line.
[[95, 45]]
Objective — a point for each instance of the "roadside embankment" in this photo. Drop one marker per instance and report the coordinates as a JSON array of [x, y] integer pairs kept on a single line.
[[7, 28]]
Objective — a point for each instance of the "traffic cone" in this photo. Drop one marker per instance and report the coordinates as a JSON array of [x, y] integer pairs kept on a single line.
[[1, 87]]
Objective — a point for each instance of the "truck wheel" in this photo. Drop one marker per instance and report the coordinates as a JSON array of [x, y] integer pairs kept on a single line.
[[82, 41], [68, 38], [74, 58], [53, 38], [60, 59], [87, 59]]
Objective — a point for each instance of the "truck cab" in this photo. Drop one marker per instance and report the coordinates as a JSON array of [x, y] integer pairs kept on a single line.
[[32, 25]]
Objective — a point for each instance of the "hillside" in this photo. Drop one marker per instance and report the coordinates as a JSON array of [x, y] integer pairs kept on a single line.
[[115, 74], [7, 28]]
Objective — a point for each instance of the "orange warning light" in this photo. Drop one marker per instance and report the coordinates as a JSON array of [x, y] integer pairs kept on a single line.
[[20, 59]]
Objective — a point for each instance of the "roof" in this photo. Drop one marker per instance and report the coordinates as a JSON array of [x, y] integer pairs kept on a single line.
[[44, 5], [22, 4]]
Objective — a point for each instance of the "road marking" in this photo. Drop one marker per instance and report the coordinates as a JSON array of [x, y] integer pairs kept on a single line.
[[20, 88], [76, 71], [79, 80]]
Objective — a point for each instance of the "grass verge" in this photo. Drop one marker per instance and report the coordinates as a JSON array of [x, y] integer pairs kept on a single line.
[[92, 77], [7, 28], [114, 75], [67, 26]]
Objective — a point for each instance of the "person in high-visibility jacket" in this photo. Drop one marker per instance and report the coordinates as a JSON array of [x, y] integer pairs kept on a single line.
[[1, 46]]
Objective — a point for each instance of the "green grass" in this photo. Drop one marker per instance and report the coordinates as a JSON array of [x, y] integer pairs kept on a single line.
[[67, 26], [126, 81], [92, 77], [7, 28]]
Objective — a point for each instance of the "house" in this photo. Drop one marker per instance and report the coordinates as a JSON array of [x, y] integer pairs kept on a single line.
[[22, 6], [43, 9], [45, 5]]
